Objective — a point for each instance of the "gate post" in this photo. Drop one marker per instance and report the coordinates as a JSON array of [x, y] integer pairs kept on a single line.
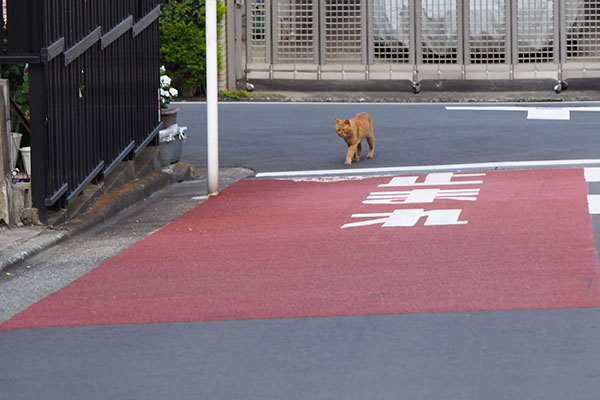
[[230, 37], [39, 125], [240, 67], [236, 61]]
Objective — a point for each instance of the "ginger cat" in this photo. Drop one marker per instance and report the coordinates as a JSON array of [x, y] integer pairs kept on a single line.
[[353, 131]]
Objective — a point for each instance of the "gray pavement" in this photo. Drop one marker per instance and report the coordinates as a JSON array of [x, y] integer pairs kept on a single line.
[[538, 354]]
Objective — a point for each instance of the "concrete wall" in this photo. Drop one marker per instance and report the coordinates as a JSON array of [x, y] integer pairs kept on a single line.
[[6, 193]]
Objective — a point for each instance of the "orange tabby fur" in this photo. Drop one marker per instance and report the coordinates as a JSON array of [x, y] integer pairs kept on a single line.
[[353, 131]]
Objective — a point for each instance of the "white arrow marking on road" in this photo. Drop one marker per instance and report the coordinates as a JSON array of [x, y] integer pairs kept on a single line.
[[547, 113]]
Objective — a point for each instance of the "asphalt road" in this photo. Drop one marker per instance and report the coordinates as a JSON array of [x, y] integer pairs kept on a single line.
[[532, 354], [550, 355], [298, 136]]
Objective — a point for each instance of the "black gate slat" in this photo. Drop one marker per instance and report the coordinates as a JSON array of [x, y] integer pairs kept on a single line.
[[152, 136], [56, 196], [143, 23], [117, 32], [126, 151], [53, 51], [85, 182], [83, 45]]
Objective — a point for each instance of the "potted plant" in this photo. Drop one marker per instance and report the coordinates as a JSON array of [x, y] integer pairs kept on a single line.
[[168, 116], [171, 136]]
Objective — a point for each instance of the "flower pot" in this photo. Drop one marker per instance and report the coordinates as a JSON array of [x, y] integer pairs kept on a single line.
[[26, 157], [170, 152], [168, 116], [170, 144]]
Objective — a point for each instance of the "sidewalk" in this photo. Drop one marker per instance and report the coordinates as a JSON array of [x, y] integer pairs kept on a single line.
[[20, 243], [448, 91]]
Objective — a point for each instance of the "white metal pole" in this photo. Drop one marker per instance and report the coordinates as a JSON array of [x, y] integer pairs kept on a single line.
[[212, 111]]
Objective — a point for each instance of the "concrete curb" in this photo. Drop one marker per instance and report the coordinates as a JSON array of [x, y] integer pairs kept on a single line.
[[430, 97], [104, 208], [31, 247]]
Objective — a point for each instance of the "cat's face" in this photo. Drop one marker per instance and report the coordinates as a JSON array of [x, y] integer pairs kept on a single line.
[[342, 128]]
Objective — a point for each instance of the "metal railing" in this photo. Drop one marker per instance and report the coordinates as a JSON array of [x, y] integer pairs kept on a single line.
[[94, 73], [423, 39]]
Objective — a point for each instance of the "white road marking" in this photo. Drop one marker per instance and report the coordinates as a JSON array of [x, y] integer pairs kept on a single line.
[[592, 174], [550, 113], [433, 179], [428, 168], [338, 103], [545, 113], [408, 218], [594, 203], [329, 179]]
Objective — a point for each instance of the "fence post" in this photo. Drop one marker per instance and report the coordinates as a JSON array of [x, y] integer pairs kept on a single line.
[[233, 59], [240, 67]]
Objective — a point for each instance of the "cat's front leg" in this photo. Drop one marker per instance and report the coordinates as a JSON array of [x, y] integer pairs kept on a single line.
[[351, 153], [358, 151], [371, 142]]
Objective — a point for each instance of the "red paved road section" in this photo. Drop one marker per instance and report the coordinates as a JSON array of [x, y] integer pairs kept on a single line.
[[275, 249]]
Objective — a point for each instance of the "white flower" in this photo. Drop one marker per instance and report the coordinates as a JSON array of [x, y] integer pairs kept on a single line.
[[167, 92], [165, 80]]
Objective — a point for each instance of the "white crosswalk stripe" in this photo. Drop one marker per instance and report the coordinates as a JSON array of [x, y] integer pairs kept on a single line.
[[592, 175]]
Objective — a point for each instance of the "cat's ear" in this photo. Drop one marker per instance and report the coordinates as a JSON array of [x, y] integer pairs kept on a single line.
[[347, 122], [337, 120]]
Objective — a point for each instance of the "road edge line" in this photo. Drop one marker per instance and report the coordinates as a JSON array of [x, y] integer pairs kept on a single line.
[[431, 168]]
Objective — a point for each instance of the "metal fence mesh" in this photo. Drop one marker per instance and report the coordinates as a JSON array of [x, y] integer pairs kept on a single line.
[[343, 31], [391, 31], [258, 33], [583, 31], [295, 31], [535, 31], [439, 32], [487, 31], [437, 36]]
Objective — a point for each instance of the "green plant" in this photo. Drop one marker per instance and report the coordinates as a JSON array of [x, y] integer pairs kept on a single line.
[[21, 96], [236, 95], [183, 43], [18, 79]]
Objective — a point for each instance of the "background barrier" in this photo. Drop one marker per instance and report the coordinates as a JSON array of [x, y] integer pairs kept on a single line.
[[422, 39]]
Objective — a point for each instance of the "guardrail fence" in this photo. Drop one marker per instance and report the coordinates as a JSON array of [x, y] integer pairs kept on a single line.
[[423, 39], [94, 73]]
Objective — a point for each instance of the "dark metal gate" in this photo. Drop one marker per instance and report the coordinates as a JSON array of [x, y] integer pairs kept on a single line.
[[94, 73]]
